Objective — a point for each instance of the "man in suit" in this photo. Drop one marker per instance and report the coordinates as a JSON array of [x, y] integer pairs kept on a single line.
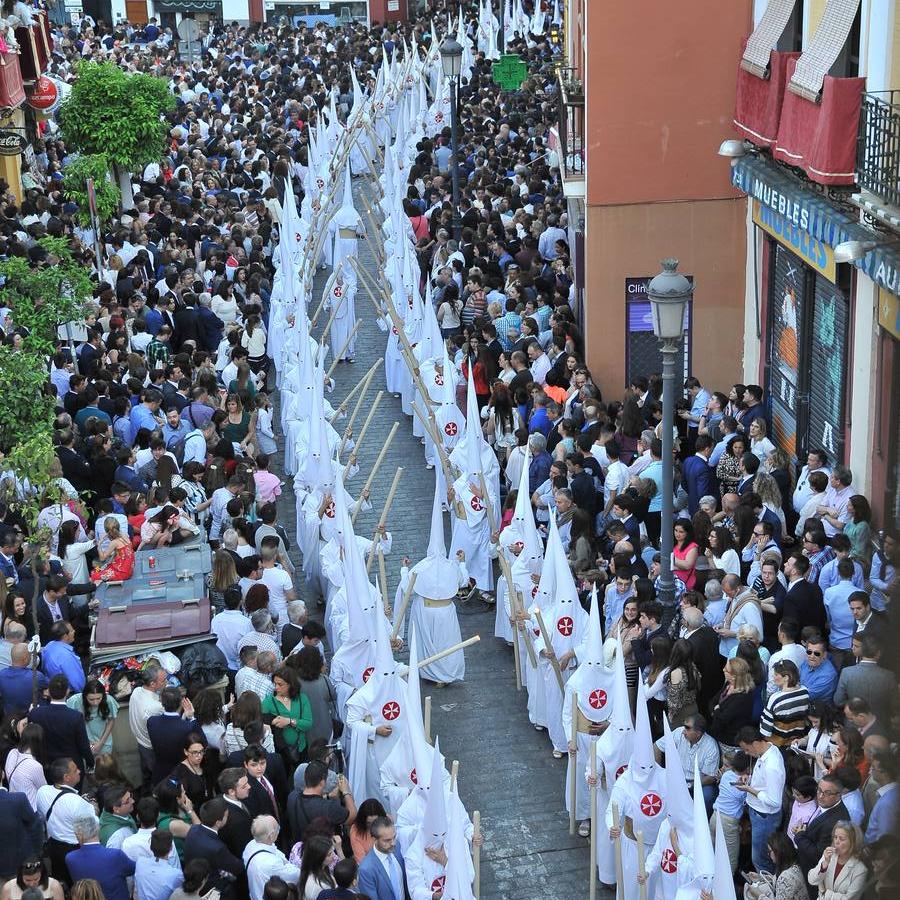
[[24, 832], [111, 868], [697, 476], [235, 789], [749, 468], [65, 734], [261, 799], [74, 466], [812, 839], [868, 680], [53, 606], [382, 874], [17, 681], [866, 619], [705, 644], [254, 733], [803, 602], [169, 730], [203, 842]]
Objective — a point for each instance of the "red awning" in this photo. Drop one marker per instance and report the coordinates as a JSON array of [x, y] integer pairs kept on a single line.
[[758, 103], [12, 91], [34, 47], [820, 138]]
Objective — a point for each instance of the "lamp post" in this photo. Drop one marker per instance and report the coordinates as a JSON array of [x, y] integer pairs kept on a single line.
[[668, 294], [451, 63]]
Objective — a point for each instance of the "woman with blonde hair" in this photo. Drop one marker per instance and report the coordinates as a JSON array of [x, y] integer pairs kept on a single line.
[[732, 707], [117, 557], [841, 874], [767, 488], [87, 889], [760, 445], [222, 577]]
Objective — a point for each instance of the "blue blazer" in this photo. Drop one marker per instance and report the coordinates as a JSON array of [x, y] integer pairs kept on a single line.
[[65, 734], [23, 832], [167, 735], [374, 881]]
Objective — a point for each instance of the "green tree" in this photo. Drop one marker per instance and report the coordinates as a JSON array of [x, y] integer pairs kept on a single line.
[[45, 296], [110, 112], [75, 176]]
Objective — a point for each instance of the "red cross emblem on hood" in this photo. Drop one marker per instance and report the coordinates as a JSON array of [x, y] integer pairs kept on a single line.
[[438, 379], [621, 770], [597, 699], [413, 777], [438, 884], [669, 862], [329, 510], [367, 673], [476, 504]]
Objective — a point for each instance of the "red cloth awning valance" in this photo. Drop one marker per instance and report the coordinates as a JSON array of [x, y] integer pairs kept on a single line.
[[820, 138], [758, 103], [12, 90]]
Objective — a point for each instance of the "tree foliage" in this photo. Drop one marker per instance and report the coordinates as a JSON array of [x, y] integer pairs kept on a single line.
[[45, 296], [75, 176], [116, 114]]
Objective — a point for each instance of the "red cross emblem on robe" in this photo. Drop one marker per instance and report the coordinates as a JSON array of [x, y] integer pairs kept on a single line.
[[338, 291], [329, 510], [367, 673], [565, 626], [391, 710], [517, 546], [451, 429], [438, 884], [439, 380], [597, 699], [621, 770], [394, 329], [651, 804], [476, 504], [438, 116], [413, 777], [669, 862]]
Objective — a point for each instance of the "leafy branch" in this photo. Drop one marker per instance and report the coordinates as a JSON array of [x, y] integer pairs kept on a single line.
[[75, 176]]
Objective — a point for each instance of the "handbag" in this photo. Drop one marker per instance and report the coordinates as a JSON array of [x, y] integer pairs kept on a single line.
[[337, 723]]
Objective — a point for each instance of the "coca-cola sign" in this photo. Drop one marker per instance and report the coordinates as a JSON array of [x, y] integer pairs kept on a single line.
[[12, 143], [45, 96]]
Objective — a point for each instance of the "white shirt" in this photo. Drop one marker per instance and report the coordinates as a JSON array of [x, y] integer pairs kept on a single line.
[[279, 583], [141, 706], [137, 846], [540, 367], [616, 477], [267, 860], [768, 780], [67, 809], [803, 491], [229, 626]]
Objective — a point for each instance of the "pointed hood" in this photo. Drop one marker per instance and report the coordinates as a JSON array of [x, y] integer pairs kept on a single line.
[[473, 426], [437, 577], [593, 646], [347, 216], [317, 472], [592, 681], [614, 746], [434, 825], [643, 761], [458, 872], [704, 856], [723, 880], [385, 664], [679, 805]]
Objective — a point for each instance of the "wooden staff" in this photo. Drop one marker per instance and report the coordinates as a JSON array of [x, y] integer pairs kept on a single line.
[[346, 401], [362, 433], [460, 646], [343, 349], [532, 658], [382, 573], [573, 763], [428, 720], [404, 603], [430, 425], [549, 648], [617, 843], [348, 430], [594, 825], [387, 443], [511, 591], [330, 322], [642, 868], [476, 852], [382, 520]]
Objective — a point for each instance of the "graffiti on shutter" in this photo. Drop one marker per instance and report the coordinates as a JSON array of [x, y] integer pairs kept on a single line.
[[787, 308], [828, 362]]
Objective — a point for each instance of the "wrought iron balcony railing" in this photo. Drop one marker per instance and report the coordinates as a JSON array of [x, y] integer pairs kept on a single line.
[[878, 146], [571, 122]]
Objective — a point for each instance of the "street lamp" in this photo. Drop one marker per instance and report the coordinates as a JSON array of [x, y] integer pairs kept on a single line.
[[451, 63], [669, 293]]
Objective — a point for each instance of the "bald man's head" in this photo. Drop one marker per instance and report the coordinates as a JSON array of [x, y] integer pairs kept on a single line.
[[19, 655]]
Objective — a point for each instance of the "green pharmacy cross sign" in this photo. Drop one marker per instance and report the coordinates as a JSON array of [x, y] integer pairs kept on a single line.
[[509, 72]]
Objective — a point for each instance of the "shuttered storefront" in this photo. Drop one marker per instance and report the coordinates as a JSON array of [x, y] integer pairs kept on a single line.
[[806, 365]]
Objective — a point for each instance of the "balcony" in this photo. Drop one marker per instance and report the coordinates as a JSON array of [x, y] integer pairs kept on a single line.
[[571, 131], [878, 156]]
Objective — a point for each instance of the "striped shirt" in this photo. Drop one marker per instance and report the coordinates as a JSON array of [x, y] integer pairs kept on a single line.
[[784, 717]]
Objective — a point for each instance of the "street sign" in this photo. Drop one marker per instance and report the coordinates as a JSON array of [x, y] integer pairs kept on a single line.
[[12, 143], [509, 72], [189, 30]]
